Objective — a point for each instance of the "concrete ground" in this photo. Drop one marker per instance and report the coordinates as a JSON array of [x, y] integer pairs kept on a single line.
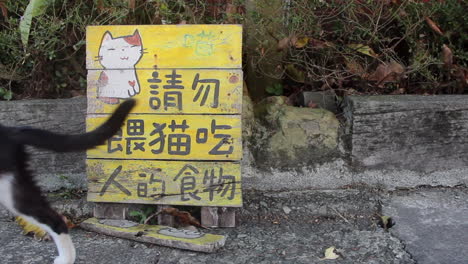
[[433, 224], [294, 227]]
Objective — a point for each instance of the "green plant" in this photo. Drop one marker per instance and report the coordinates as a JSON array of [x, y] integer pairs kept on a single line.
[[42, 45], [275, 89], [143, 214], [42, 42], [6, 94]]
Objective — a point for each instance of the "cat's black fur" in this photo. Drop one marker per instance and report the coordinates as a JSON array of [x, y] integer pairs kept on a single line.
[[26, 195]]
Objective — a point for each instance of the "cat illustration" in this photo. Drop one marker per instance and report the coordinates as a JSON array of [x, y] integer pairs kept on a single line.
[[119, 56], [19, 192]]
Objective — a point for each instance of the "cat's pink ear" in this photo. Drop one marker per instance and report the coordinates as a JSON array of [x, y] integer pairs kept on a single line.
[[134, 39], [107, 36]]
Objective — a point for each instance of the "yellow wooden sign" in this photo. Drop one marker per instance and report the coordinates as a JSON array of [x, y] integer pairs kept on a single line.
[[198, 91], [164, 46], [180, 137], [182, 142], [165, 182]]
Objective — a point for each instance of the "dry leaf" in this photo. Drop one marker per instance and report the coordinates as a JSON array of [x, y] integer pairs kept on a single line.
[[461, 74], [131, 4], [301, 42], [364, 49], [283, 44], [4, 9], [387, 72], [286, 42], [231, 10], [318, 44], [447, 56], [311, 104], [355, 68], [185, 218], [330, 254], [433, 26], [183, 22], [28, 228], [100, 5], [69, 223]]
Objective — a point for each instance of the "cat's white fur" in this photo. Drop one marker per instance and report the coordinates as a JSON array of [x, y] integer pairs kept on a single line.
[[63, 242], [118, 58]]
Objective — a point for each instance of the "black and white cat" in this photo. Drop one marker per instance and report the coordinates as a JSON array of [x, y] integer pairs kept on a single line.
[[19, 192]]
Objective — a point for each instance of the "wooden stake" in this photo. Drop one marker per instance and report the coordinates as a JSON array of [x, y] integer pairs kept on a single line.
[[110, 211], [164, 219]]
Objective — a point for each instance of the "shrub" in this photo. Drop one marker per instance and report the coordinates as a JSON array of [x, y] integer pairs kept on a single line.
[[52, 64], [364, 46]]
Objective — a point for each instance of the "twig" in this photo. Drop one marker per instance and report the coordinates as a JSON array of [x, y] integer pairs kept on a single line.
[[151, 216], [340, 215]]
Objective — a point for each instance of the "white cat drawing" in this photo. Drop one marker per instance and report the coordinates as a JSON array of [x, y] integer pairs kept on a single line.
[[119, 56]]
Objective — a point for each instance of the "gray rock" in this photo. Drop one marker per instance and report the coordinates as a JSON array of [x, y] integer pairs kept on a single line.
[[286, 209], [294, 136]]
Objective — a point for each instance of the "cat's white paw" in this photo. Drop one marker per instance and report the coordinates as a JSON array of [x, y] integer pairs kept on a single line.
[[63, 260]]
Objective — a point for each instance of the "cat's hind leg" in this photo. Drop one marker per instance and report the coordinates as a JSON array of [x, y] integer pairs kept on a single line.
[[27, 201]]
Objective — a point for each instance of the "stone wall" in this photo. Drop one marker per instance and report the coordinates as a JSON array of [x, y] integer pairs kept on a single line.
[[385, 141], [53, 170]]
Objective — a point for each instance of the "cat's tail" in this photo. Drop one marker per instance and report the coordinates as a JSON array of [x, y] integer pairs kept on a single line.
[[64, 143]]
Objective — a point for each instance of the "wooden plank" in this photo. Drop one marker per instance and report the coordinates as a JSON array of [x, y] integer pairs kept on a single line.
[[199, 91], [181, 137], [164, 46], [428, 131], [156, 234], [164, 182], [110, 211]]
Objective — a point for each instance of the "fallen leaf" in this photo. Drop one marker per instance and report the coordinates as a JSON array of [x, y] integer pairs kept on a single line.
[[301, 42], [386, 222], [183, 22], [318, 44], [283, 44], [387, 72], [447, 56], [355, 68], [185, 218], [330, 254], [433, 26], [69, 223], [311, 104], [231, 10], [28, 228], [364, 49], [461, 74], [4, 9], [131, 4]]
